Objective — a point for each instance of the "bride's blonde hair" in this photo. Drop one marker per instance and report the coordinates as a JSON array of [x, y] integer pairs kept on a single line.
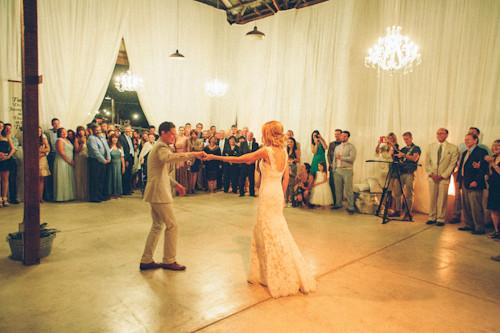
[[272, 134]]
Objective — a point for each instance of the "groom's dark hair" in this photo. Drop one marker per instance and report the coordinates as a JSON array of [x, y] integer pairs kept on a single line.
[[166, 127]]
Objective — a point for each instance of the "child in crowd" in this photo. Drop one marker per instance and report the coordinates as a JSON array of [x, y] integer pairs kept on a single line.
[[321, 194]]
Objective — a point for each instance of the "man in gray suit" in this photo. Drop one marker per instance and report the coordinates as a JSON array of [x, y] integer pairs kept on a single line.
[[159, 194], [440, 161]]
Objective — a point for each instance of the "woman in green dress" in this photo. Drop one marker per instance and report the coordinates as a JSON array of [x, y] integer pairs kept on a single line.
[[318, 148], [64, 178]]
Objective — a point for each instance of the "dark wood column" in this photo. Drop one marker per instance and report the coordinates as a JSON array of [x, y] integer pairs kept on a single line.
[[30, 132]]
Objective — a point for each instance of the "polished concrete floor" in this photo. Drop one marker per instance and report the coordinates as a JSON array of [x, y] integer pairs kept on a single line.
[[397, 277]]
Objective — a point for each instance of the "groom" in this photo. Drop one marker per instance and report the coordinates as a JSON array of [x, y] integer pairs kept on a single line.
[[159, 194]]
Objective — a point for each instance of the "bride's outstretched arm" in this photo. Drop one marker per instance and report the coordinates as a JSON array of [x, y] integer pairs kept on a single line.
[[247, 158], [286, 178]]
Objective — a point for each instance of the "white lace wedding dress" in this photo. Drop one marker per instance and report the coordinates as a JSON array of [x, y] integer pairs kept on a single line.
[[276, 261]]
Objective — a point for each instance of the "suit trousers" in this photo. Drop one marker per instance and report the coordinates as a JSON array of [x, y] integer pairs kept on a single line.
[[407, 180], [439, 199], [127, 176], [472, 204], [12, 179], [247, 171], [457, 207], [332, 185], [163, 216], [343, 181], [219, 178], [48, 188], [97, 176], [200, 179]]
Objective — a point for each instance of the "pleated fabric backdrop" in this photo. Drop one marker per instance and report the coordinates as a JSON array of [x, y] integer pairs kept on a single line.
[[308, 73]]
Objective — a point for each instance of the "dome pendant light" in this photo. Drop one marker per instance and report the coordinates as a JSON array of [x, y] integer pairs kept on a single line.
[[255, 34], [177, 55]]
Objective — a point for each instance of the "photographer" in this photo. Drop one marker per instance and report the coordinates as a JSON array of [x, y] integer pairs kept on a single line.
[[408, 156], [318, 148]]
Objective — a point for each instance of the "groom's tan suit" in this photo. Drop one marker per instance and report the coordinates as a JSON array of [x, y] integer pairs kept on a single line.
[[442, 167], [159, 194]]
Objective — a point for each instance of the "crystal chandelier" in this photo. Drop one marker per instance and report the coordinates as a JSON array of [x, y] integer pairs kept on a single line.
[[393, 52], [129, 82], [216, 88]]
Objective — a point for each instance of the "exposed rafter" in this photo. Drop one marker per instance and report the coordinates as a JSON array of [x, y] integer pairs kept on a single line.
[[244, 11]]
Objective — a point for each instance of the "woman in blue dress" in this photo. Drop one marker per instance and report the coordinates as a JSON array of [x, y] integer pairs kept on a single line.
[[318, 147], [116, 168], [64, 178]]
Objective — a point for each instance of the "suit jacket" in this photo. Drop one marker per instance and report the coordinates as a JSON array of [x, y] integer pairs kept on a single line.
[[126, 147], [472, 174], [447, 163], [160, 162], [48, 133], [331, 150]]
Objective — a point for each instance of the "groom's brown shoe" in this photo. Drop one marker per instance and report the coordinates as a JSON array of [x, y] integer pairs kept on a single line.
[[151, 265], [173, 267]]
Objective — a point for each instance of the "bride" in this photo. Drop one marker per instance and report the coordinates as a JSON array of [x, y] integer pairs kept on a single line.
[[276, 261]]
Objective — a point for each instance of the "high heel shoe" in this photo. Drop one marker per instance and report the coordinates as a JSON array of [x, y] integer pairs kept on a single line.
[[5, 202]]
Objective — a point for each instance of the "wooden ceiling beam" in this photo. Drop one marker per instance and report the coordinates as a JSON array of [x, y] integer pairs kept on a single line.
[[276, 5], [310, 3], [265, 3], [245, 4], [258, 12], [248, 18]]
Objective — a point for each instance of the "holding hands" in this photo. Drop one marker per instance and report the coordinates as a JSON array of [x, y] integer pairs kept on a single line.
[[199, 155]]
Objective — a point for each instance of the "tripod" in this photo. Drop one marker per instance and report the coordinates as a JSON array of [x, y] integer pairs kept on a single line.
[[394, 173]]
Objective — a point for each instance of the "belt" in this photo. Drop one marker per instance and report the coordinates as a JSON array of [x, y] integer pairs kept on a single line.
[[344, 168]]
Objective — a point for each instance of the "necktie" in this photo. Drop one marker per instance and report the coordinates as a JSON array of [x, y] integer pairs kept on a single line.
[[465, 161], [341, 151], [440, 153]]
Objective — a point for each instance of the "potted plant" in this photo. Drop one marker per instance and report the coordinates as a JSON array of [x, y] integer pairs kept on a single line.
[[16, 242]]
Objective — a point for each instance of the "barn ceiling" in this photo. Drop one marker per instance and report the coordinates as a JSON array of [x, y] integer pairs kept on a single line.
[[244, 11]]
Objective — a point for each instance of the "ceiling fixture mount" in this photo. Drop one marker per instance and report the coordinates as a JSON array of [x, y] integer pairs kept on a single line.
[[255, 34], [177, 55], [129, 82], [393, 52]]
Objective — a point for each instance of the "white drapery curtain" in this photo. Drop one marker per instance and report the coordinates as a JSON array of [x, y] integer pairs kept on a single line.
[[175, 90], [10, 51], [78, 46], [308, 73]]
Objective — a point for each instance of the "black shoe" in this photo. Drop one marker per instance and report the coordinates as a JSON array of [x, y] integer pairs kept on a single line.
[[454, 221], [253, 195], [97, 201], [476, 232], [242, 195], [14, 202], [430, 222], [395, 214], [465, 229], [103, 199], [440, 224], [336, 207], [351, 212]]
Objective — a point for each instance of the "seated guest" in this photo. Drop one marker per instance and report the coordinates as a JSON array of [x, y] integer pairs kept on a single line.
[[64, 177], [212, 167], [494, 187], [303, 184], [43, 149], [116, 168], [231, 170]]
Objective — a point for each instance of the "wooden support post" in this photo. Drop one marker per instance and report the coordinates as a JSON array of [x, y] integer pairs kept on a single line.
[[30, 132]]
